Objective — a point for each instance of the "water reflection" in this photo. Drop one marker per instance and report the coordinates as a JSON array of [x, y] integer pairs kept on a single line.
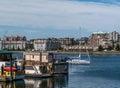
[[14, 84], [55, 82]]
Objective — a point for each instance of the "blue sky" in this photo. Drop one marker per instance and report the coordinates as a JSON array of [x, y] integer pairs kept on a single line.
[[58, 18]]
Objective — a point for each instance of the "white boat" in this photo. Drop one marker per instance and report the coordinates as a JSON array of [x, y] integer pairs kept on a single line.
[[78, 60]]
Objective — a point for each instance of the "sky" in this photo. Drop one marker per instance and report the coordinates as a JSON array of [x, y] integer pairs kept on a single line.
[[58, 18]]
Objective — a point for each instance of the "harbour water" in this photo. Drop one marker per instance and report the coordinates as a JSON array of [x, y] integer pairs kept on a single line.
[[103, 72]]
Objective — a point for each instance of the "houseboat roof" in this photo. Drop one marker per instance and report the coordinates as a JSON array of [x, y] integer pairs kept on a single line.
[[5, 52], [37, 53]]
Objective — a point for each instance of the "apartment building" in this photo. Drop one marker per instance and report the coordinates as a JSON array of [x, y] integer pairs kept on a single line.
[[99, 38], [14, 42], [46, 44]]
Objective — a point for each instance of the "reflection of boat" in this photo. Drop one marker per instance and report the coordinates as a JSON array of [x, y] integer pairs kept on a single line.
[[10, 69], [53, 82], [14, 84], [38, 83]]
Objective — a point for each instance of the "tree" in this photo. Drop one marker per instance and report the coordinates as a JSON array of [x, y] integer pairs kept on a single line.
[[100, 48], [18, 48], [109, 48], [117, 47], [13, 48]]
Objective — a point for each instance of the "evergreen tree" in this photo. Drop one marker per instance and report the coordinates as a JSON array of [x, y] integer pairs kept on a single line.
[[109, 48], [13, 48], [117, 47], [100, 48], [18, 48]]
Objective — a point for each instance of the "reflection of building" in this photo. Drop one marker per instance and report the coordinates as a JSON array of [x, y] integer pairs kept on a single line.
[[55, 82], [14, 42]]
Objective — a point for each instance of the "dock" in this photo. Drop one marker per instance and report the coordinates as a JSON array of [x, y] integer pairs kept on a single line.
[[38, 75]]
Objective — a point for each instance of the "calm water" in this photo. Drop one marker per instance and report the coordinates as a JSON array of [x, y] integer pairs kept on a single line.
[[103, 72]]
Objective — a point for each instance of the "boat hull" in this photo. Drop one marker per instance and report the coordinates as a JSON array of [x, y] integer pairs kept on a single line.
[[77, 61]]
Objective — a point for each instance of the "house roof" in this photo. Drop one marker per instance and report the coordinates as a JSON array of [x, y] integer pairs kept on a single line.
[[5, 52]]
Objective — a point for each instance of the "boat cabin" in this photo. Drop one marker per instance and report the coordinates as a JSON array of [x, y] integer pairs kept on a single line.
[[5, 57], [38, 57]]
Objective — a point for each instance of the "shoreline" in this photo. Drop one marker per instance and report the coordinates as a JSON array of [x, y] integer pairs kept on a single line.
[[91, 53], [73, 52]]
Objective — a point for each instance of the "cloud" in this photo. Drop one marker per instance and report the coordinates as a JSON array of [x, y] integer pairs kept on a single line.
[[59, 14]]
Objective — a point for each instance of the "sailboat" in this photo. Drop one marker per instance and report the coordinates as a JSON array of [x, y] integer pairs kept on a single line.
[[79, 59]]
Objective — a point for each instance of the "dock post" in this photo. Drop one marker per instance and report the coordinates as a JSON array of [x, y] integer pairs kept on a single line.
[[11, 76]]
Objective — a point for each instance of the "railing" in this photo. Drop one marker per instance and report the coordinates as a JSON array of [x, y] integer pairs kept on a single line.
[[29, 63]]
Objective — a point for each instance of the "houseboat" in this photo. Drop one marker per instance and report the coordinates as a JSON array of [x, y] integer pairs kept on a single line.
[[43, 64], [10, 69], [38, 64]]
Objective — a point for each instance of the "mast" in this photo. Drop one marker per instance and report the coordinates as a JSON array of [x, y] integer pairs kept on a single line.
[[80, 45], [87, 52]]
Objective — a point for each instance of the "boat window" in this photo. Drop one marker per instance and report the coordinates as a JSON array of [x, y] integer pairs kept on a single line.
[[29, 68], [32, 56]]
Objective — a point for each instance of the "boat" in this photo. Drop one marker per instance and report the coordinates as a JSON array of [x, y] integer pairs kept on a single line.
[[10, 69], [79, 59], [43, 65]]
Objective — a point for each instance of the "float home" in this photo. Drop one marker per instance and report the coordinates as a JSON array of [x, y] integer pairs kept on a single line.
[[43, 64]]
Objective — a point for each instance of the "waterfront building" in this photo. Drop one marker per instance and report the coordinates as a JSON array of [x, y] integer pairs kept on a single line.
[[66, 41], [114, 36], [83, 40], [30, 45], [46, 44], [78, 48], [99, 38], [14, 42]]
